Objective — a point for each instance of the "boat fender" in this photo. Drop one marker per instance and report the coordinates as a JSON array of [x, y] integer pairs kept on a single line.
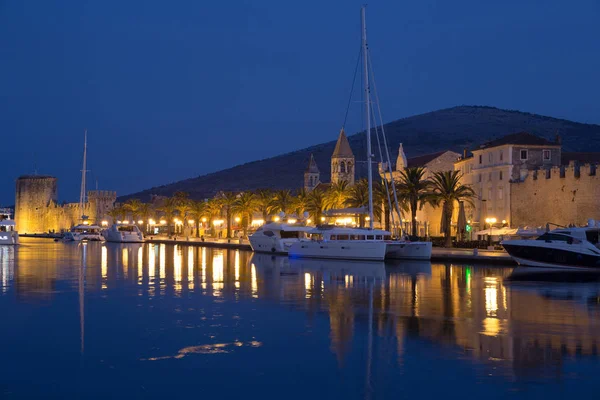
[[272, 249]]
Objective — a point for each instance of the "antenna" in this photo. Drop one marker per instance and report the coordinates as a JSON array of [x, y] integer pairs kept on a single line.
[[367, 112]]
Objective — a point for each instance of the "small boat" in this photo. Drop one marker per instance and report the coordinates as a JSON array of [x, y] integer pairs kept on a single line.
[[84, 232], [8, 233], [123, 233], [563, 248], [277, 237], [333, 242]]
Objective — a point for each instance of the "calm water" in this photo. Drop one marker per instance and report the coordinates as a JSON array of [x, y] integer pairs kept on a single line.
[[142, 321]]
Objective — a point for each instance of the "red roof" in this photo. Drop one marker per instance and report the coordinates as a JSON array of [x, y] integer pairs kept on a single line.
[[421, 161]]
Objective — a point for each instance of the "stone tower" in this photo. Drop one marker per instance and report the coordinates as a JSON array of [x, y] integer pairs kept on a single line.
[[342, 161], [34, 193], [312, 176], [401, 160], [100, 203]]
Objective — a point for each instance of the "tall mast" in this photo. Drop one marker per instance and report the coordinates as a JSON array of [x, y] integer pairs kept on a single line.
[[368, 113], [83, 173]]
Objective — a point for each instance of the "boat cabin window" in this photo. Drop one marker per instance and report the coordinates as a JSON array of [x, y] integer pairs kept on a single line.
[[357, 237], [269, 233], [370, 237], [387, 237], [289, 234], [6, 228], [558, 238], [343, 237], [378, 237], [126, 228], [333, 237], [316, 236], [592, 236]]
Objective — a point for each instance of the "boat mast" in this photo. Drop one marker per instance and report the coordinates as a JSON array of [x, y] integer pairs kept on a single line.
[[368, 113], [83, 173]]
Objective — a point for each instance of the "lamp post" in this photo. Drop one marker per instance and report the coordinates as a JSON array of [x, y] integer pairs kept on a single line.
[[491, 222]]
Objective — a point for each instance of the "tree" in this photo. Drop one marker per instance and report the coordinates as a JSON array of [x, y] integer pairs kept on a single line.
[[447, 190], [245, 205], [145, 211], [117, 214], [337, 194], [358, 197], [316, 205], [198, 210], [168, 208], [228, 199], [416, 190], [300, 202], [282, 201], [214, 208], [182, 207], [264, 202], [133, 206]]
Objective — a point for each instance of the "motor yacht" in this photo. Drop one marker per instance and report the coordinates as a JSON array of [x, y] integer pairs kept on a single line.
[[565, 248], [123, 233], [275, 237], [342, 243], [84, 232], [8, 233]]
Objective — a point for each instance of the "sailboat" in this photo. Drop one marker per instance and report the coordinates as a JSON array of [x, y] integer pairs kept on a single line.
[[349, 243], [86, 230]]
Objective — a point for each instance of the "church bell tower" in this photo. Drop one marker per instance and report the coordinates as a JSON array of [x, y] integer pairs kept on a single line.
[[342, 161], [311, 175]]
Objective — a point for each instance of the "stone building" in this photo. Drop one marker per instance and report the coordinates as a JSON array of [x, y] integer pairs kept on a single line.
[[428, 218], [37, 209], [342, 166], [491, 169]]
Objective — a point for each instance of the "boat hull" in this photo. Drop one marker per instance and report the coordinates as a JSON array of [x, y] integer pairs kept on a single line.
[[274, 245], [9, 238], [408, 250], [338, 249], [552, 257]]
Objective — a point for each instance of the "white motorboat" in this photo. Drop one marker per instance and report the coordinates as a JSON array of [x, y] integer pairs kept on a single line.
[[563, 248], [342, 243], [407, 250], [8, 233], [123, 233], [277, 237], [84, 232]]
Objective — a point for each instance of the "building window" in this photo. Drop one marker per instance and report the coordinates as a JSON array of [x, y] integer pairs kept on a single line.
[[490, 157], [490, 177], [490, 194], [500, 175], [524, 155], [500, 193], [546, 154], [501, 155], [480, 159], [479, 178]]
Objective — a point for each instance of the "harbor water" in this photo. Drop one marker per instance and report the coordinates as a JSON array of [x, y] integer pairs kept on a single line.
[[171, 321]]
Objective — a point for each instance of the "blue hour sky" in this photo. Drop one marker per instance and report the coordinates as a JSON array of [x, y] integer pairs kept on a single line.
[[174, 89]]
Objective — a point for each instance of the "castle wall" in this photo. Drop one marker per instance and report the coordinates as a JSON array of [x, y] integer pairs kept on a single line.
[[561, 195], [32, 197]]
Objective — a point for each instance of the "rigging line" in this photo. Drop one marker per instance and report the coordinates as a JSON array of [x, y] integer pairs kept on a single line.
[[385, 182], [352, 87], [385, 145]]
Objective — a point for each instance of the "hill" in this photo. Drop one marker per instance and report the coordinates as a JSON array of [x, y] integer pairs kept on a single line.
[[448, 129]]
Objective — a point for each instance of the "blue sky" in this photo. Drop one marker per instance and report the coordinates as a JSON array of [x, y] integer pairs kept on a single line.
[[171, 90]]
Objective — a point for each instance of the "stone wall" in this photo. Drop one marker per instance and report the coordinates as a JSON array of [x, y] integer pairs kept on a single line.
[[561, 195], [32, 197]]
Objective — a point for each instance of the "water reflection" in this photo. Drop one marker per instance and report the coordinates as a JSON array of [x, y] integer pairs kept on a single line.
[[525, 327]]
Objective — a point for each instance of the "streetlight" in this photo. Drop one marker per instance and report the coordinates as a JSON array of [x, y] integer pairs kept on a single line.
[[491, 222]]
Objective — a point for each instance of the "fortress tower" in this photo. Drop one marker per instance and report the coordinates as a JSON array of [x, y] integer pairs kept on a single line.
[[100, 202], [342, 161], [34, 193], [312, 176]]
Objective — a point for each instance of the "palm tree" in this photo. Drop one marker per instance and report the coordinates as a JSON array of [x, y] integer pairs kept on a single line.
[[133, 206], [181, 197], [228, 199], [316, 205], [145, 211], [198, 210], [337, 194], [182, 207], [214, 208], [264, 202], [358, 197], [168, 208], [447, 190], [416, 190], [282, 201], [245, 205], [117, 214], [300, 202]]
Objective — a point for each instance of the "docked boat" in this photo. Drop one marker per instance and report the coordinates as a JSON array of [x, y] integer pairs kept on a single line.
[[8, 232], [123, 233], [333, 242], [564, 248], [407, 250], [277, 237], [84, 232]]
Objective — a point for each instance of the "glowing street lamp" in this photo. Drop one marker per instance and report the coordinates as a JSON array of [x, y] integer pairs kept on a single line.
[[491, 222]]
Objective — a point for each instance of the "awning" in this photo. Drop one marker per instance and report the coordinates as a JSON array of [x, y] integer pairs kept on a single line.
[[345, 211], [497, 232]]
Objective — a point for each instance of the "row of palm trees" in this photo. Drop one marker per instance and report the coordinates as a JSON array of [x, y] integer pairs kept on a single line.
[[413, 188]]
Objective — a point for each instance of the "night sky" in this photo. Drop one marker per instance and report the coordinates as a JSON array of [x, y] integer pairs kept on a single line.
[[174, 89]]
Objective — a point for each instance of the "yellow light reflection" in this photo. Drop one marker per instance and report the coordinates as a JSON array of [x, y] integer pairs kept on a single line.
[[237, 269], [491, 326], [104, 266], [491, 297], [140, 264], [125, 257], [217, 273], [203, 269], [190, 270], [161, 261], [151, 263], [307, 284], [254, 281], [177, 267]]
